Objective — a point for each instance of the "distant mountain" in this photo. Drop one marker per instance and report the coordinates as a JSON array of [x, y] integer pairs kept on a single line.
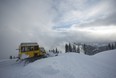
[[91, 48]]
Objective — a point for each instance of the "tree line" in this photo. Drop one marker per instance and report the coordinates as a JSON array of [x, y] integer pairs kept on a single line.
[[54, 50], [70, 48], [89, 49], [112, 46]]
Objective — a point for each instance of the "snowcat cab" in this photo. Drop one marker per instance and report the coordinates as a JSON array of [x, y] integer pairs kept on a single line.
[[30, 50]]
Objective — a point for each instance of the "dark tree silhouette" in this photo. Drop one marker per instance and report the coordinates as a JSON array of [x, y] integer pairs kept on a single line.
[[56, 50], [11, 57], [66, 48], [53, 51], [74, 48], [115, 45], [110, 47], [84, 46], [70, 48]]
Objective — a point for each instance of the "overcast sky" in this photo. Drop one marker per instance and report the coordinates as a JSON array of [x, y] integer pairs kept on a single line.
[[51, 23]]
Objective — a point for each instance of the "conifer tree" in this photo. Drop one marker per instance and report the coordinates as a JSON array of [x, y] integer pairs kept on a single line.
[[115, 45], [78, 50], [11, 57], [84, 47], [70, 48], [53, 51], [74, 48], [66, 48], [110, 47], [56, 50]]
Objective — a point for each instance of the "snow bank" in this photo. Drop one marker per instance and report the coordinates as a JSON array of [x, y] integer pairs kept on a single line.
[[73, 65], [67, 65], [3, 60]]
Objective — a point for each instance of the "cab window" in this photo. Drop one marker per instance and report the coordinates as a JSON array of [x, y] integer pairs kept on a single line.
[[36, 47], [24, 49]]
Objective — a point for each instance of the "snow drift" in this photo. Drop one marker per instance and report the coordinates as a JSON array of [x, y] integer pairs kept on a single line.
[[67, 65]]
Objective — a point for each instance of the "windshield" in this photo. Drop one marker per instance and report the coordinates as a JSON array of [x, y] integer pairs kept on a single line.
[[29, 48]]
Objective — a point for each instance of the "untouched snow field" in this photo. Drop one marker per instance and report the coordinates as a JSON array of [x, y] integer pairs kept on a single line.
[[67, 65]]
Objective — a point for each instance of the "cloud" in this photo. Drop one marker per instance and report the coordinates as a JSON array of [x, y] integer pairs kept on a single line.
[[87, 11]]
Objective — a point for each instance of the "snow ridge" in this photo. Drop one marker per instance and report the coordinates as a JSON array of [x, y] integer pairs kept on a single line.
[[67, 65]]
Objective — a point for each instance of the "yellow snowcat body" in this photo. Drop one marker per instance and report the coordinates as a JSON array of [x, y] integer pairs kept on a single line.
[[31, 50]]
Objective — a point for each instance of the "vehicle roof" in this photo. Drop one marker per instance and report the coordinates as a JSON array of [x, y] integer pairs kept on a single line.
[[28, 44]]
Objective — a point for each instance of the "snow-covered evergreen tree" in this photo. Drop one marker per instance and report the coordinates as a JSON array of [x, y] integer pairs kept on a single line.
[[70, 47], [78, 50], [74, 48], [10, 57], [66, 48]]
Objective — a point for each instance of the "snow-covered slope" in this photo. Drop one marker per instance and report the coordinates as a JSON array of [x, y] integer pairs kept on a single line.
[[68, 65]]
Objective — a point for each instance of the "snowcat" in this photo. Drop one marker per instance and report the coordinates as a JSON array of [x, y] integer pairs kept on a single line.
[[30, 52]]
